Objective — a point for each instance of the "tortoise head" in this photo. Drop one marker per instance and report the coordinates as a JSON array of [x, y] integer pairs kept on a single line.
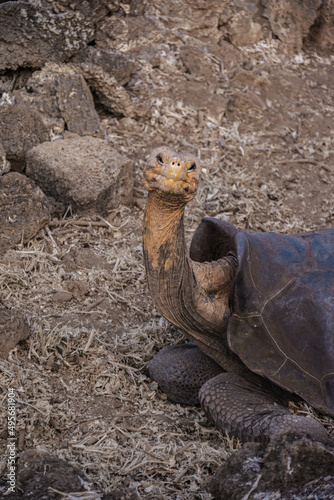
[[173, 174]]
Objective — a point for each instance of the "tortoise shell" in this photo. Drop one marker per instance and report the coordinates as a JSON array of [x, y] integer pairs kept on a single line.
[[282, 304]]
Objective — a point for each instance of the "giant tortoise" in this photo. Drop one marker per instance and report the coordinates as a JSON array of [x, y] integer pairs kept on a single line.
[[258, 309]]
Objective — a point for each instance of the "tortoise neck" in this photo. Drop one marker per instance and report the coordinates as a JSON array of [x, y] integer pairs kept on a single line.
[[186, 292], [163, 241], [165, 254], [163, 222]]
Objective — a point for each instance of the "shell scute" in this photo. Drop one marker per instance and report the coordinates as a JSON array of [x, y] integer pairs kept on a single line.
[[285, 280]]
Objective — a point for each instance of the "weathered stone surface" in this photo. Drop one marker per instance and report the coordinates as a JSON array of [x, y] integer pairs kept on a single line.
[[291, 20], [243, 30], [241, 22], [13, 329], [295, 462], [94, 10], [120, 66], [197, 62], [281, 466], [229, 55], [148, 54], [322, 32], [66, 86], [31, 35], [85, 172], [107, 72], [40, 472], [58, 97], [199, 96], [24, 209], [112, 95], [21, 126], [127, 34], [4, 163]]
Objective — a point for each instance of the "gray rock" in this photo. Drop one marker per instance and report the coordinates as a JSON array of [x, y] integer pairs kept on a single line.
[[112, 95], [21, 127], [286, 468], [24, 209], [39, 472], [31, 35], [58, 97], [322, 31], [13, 329], [4, 163], [94, 10], [291, 20], [120, 66], [127, 33], [86, 172], [65, 84], [197, 62], [243, 30]]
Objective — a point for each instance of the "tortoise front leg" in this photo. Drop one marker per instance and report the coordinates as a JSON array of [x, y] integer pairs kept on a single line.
[[181, 370], [247, 410], [241, 405]]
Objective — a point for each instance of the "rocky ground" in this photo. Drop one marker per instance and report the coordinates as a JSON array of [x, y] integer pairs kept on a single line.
[[88, 89]]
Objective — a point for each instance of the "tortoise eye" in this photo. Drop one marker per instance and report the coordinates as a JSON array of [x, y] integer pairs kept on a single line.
[[160, 160], [192, 167]]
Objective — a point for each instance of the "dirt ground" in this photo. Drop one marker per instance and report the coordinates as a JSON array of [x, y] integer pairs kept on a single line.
[[266, 142]]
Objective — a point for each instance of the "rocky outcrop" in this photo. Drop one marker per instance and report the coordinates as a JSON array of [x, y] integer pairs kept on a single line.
[[30, 35], [82, 81], [55, 98]]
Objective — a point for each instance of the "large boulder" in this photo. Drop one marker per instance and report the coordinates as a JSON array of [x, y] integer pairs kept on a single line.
[[24, 209], [87, 173], [31, 35]]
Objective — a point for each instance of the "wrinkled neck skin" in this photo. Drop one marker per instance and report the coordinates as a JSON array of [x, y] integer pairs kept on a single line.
[[191, 295]]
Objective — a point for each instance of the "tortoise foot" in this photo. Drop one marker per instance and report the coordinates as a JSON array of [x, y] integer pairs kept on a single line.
[[247, 410], [181, 370]]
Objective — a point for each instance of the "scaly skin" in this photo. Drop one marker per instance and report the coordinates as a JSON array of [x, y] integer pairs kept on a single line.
[[194, 297], [190, 295]]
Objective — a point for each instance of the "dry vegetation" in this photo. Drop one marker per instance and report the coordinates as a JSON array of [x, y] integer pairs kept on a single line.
[[82, 389]]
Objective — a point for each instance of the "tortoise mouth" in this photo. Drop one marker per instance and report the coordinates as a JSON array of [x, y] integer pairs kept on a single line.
[[183, 188]]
